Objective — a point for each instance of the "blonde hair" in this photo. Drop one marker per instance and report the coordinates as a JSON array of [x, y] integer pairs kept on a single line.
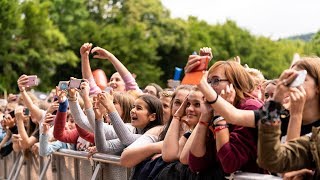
[[236, 74], [126, 101]]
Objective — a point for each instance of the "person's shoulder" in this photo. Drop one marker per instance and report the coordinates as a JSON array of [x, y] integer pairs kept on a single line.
[[155, 130], [250, 104]]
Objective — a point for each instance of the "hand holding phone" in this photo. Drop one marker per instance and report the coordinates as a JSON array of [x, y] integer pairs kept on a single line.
[[299, 80]]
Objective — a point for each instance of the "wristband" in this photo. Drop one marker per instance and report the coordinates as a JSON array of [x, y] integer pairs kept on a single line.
[[204, 123], [214, 101], [219, 128], [218, 119]]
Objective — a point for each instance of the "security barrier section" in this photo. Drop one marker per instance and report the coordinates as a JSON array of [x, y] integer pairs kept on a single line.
[[62, 165]]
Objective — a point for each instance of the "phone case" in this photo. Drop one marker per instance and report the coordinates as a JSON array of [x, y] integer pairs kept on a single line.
[[203, 64], [32, 81], [75, 83]]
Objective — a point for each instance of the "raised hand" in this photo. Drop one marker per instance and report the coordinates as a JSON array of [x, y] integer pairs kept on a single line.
[[19, 113], [106, 100], [101, 53], [229, 94], [206, 51], [99, 109], [298, 98], [84, 89], [22, 82], [282, 88], [53, 107], [206, 112], [85, 49], [182, 109], [60, 94]]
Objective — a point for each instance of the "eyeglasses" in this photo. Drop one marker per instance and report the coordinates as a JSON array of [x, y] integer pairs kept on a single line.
[[216, 81]]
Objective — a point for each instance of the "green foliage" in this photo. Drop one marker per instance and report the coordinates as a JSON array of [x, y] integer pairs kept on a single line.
[[43, 37]]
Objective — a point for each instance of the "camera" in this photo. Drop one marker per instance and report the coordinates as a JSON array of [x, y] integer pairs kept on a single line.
[[63, 85], [298, 81], [32, 80], [75, 83]]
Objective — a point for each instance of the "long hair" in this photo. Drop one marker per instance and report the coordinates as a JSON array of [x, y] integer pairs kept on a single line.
[[181, 87], [126, 102], [154, 105], [242, 81]]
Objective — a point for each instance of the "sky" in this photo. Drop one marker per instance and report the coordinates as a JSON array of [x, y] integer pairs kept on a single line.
[[270, 18]]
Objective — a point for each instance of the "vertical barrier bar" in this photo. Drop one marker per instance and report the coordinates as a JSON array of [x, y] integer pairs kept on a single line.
[[76, 168], [15, 166], [21, 161], [96, 171], [45, 168]]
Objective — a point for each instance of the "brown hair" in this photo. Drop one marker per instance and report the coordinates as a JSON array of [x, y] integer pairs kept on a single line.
[[126, 102], [312, 66], [242, 81]]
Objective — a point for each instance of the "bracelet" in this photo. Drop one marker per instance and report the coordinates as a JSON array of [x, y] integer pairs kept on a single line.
[[214, 101], [219, 128], [72, 98], [217, 125], [204, 123], [218, 119]]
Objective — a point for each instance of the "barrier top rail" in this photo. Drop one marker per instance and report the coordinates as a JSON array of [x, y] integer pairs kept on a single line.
[[99, 157]]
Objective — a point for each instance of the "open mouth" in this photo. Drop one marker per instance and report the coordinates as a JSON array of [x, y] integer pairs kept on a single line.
[[134, 118]]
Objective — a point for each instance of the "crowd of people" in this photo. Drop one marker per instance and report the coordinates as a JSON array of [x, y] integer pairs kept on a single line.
[[233, 120]]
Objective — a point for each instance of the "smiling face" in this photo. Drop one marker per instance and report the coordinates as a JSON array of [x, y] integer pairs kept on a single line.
[[269, 91], [140, 116], [193, 110], [117, 83]]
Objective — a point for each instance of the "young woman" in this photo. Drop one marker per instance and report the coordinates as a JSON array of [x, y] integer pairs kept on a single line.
[[146, 115], [235, 143]]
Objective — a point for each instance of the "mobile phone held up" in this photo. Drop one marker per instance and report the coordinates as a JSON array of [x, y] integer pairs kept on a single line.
[[32, 81], [298, 81], [63, 85], [75, 83]]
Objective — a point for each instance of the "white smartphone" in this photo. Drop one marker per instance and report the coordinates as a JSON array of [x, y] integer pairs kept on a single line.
[[298, 81]]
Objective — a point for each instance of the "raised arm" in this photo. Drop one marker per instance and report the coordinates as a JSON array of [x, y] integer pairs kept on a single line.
[[173, 143], [47, 148], [224, 108], [123, 133], [86, 69], [297, 101], [121, 69], [35, 111], [277, 157], [26, 141], [59, 132]]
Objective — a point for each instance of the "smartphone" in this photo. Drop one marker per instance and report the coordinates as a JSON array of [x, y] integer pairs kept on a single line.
[[26, 112], [12, 114], [63, 85], [32, 80], [75, 83], [299, 80], [204, 61]]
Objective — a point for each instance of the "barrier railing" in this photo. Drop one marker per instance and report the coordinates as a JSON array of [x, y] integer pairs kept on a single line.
[[64, 164]]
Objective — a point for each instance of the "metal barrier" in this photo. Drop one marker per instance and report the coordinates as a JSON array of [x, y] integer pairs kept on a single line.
[[64, 164]]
